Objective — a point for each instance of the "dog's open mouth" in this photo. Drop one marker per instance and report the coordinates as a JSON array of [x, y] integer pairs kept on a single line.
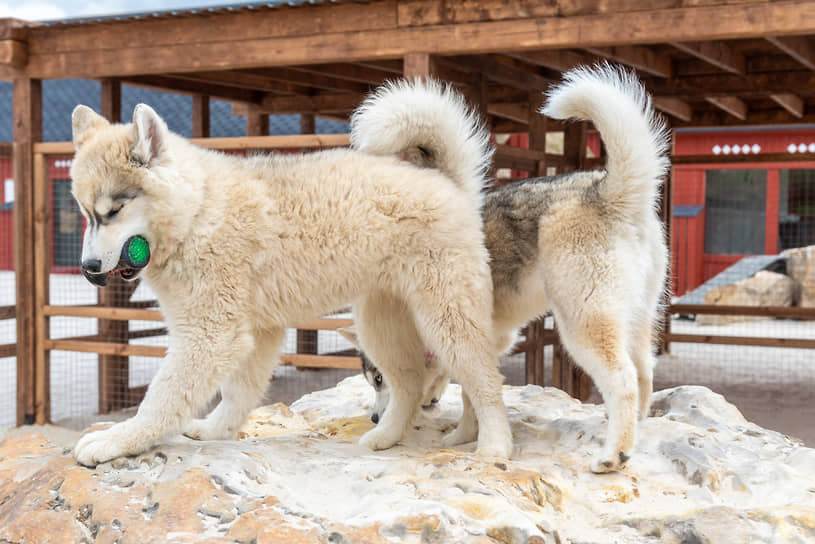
[[127, 274]]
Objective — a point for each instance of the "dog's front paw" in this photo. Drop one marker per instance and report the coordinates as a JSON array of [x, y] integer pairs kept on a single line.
[[207, 429], [380, 438], [117, 441]]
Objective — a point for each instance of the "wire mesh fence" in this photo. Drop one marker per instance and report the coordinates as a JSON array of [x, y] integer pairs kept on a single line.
[[750, 242]]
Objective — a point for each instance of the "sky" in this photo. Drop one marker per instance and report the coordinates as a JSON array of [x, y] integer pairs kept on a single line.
[[45, 10]]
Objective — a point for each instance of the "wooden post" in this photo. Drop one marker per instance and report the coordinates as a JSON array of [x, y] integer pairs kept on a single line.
[[534, 331], [200, 116], [535, 361], [666, 213], [42, 275], [307, 340], [113, 370], [418, 65], [257, 124], [308, 123], [27, 111]]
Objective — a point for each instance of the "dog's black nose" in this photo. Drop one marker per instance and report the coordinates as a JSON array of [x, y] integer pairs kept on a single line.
[[375, 418], [94, 266]]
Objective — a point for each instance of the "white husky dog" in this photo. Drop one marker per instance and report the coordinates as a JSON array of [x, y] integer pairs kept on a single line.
[[588, 246], [241, 248]]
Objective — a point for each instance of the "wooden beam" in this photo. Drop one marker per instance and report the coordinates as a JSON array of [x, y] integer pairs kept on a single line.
[[497, 71], [638, 57], [673, 106], [310, 104], [352, 72], [194, 87], [558, 59], [373, 31], [13, 53], [200, 116], [716, 53], [27, 128], [7, 312], [514, 112], [732, 105], [306, 80], [798, 47], [790, 102], [800, 82]]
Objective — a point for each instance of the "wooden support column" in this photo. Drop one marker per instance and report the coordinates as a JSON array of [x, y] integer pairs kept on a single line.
[[565, 373], [535, 362], [42, 275], [114, 370], [418, 65], [666, 213], [308, 123], [307, 340], [200, 116], [257, 123], [27, 112]]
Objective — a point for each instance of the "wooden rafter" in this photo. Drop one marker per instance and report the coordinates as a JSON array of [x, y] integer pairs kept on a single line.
[[790, 102], [559, 59], [641, 58], [674, 107], [732, 105], [801, 82], [500, 72], [798, 47], [719, 54]]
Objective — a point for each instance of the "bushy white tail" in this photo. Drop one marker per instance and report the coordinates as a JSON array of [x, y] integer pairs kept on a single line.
[[428, 118], [636, 139]]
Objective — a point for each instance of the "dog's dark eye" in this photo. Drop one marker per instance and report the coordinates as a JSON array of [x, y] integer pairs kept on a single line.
[[378, 380], [112, 213]]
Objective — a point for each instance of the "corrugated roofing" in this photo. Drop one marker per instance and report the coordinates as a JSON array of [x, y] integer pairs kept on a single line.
[[196, 12]]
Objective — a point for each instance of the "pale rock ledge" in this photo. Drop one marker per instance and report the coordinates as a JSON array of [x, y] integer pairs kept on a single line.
[[700, 474]]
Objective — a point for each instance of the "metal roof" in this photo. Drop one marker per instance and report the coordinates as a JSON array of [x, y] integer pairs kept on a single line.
[[194, 12]]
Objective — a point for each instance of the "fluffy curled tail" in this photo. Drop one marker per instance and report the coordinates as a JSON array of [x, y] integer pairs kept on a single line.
[[429, 121], [636, 139]]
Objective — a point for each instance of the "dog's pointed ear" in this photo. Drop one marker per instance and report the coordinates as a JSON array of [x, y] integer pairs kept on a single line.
[[350, 334], [84, 121], [151, 136]]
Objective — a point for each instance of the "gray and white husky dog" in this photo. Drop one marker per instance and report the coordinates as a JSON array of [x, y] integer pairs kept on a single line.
[[587, 246]]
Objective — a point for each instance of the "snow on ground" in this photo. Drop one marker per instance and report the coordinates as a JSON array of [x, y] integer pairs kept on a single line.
[[768, 384]]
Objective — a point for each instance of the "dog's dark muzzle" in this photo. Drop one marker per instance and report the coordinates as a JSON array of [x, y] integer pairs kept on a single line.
[[99, 280]]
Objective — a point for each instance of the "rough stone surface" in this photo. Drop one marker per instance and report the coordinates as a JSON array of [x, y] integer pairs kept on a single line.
[[801, 268], [765, 288], [701, 473]]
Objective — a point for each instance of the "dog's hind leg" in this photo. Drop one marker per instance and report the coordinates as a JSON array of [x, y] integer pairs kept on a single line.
[[642, 353], [389, 337], [455, 321], [241, 392], [597, 343], [467, 429]]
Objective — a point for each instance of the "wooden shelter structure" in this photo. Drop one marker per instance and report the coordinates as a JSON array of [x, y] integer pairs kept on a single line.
[[708, 63]]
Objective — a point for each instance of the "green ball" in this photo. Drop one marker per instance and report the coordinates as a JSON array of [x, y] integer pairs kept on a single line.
[[138, 251]]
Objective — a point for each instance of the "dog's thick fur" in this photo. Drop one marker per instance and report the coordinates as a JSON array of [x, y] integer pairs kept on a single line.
[[244, 247], [589, 247]]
